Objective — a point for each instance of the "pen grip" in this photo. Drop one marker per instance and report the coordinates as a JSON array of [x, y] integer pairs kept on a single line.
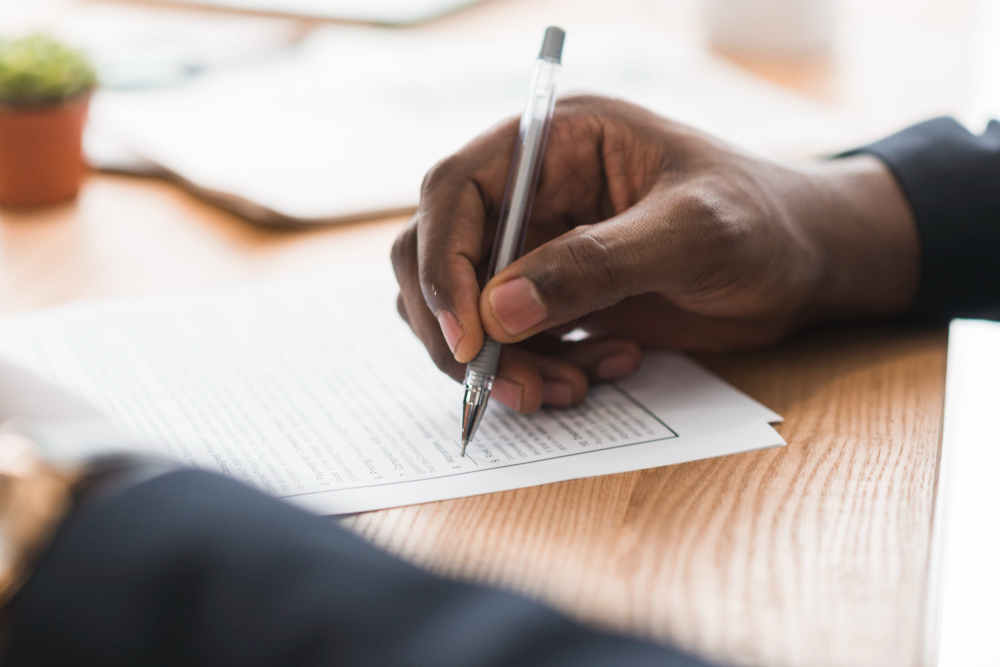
[[487, 360]]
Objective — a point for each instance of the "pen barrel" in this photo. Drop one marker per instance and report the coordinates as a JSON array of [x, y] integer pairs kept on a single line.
[[483, 368], [515, 212], [525, 167]]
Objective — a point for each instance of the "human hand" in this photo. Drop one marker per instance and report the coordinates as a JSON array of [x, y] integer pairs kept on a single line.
[[644, 232]]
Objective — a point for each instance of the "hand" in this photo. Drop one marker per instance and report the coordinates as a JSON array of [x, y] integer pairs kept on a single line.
[[645, 232]]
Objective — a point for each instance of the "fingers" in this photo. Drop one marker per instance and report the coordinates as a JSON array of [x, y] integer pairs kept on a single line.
[[525, 380], [451, 235], [551, 372], [602, 158], [413, 308], [560, 376], [586, 269], [453, 229], [603, 360]]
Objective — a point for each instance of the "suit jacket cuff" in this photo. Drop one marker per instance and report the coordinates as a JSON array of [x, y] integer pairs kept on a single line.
[[952, 180]]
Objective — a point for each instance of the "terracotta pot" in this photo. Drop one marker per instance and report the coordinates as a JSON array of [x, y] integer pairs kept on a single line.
[[41, 156]]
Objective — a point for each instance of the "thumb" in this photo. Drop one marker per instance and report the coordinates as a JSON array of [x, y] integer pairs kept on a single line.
[[585, 270]]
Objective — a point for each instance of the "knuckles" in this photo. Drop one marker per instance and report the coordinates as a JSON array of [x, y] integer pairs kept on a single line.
[[709, 223], [442, 359], [445, 362], [719, 244], [440, 173], [404, 248], [401, 308]]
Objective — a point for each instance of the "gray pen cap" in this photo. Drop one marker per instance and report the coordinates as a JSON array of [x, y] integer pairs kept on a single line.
[[552, 44]]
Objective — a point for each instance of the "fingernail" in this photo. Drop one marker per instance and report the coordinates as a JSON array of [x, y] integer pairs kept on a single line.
[[617, 366], [508, 393], [517, 306], [559, 394], [451, 328]]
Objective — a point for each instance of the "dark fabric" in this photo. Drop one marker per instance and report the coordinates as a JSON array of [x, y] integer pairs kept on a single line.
[[193, 569], [952, 179]]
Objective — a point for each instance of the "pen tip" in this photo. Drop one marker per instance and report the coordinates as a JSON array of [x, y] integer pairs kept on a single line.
[[465, 443]]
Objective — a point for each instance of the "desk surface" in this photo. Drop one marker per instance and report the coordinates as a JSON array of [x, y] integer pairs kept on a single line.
[[814, 554]]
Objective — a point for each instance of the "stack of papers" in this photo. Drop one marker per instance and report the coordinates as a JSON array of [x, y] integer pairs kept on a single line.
[[347, 127], [315, 391]]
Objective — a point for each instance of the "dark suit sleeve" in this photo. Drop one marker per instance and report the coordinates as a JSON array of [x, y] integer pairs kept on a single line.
[[194, 569], [952, 180]]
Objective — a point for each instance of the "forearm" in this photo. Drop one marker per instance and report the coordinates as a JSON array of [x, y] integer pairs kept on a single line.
[[194, 569]]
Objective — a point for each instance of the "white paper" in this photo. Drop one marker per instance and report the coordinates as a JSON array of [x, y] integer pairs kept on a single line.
[[317, 392], [964, 581]]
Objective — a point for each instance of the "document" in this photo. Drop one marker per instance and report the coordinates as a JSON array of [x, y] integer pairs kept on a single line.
[[317, 392]]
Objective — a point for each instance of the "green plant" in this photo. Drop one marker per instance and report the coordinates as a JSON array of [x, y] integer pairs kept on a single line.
[[39, 70]]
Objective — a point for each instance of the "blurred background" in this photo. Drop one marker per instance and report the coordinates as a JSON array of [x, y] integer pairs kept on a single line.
[[303, 112]]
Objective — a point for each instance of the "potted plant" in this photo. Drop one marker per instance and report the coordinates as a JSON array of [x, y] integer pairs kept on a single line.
[[45, 89]]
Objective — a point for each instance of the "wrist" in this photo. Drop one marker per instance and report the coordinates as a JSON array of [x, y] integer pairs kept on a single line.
[[34, 498], [866, 236]]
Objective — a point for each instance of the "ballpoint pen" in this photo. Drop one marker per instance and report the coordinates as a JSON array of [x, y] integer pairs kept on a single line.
[[525, 166]]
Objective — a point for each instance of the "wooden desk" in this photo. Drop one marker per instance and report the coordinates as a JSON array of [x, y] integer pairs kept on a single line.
[[814, 554]]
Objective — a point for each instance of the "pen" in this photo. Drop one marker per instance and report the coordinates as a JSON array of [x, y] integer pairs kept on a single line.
[[525, 166]]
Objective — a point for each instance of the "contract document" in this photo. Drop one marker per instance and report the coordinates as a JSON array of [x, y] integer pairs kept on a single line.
[[317, 392]]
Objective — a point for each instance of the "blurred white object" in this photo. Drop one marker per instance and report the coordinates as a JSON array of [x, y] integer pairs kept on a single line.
[[964, 577], [771, 27], [984, 83], [389, 12]]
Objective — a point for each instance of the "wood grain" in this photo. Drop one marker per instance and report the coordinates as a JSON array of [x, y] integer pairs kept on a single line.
[[128, 235], [813, 554]]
